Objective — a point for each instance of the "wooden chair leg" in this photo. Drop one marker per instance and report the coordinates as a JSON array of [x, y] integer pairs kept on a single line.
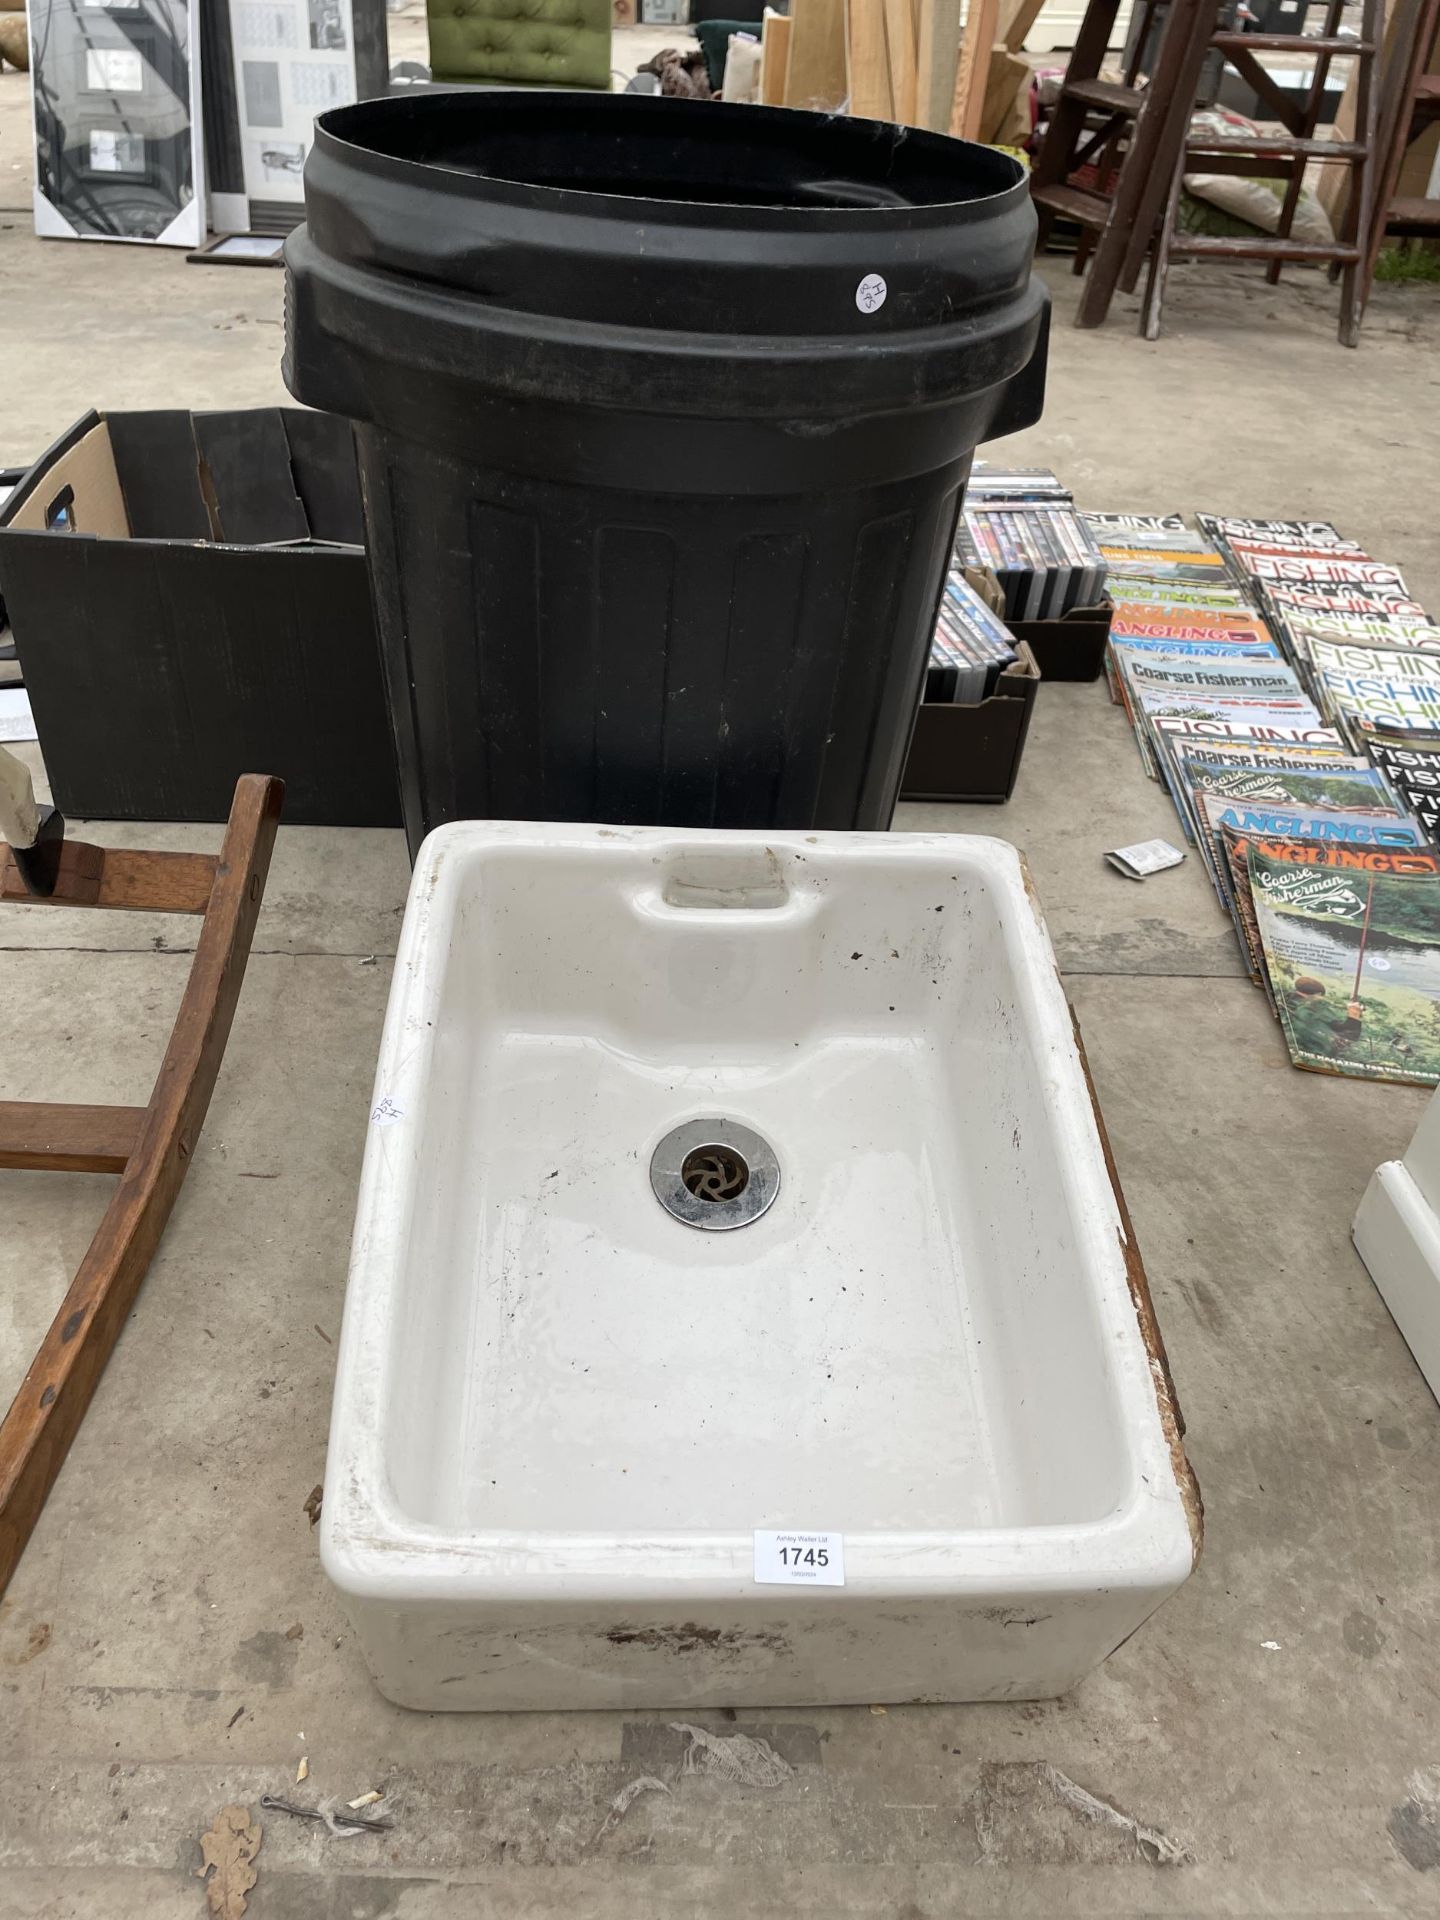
[[1147, 142], [1189, 60], [1352, 304]]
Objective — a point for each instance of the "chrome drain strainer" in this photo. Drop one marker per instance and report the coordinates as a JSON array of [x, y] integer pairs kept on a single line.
[[714, 1174]]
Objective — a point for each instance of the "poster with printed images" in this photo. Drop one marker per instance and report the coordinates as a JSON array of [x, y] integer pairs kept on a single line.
[[282, 162], [293, 60]]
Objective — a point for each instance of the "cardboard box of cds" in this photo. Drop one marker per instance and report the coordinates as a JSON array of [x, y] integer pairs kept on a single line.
[[1022, 534], [1072, 645], [979, 688], [971, 751]]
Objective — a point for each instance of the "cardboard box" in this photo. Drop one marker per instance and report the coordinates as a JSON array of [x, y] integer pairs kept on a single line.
[[189, 598], [1071, 647], [1067, 646], [973, 752]]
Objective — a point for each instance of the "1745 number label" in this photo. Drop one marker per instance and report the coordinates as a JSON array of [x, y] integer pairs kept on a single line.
[[799, 1559]]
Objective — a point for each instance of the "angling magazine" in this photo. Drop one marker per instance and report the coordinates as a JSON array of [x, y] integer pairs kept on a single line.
[[1285, 685], [1351, 944], [1227, 532], [1216, 808], [1413, 774], [1236, 842], [1172, 732], [1256, 771], [1302, 569], [1373, 689]]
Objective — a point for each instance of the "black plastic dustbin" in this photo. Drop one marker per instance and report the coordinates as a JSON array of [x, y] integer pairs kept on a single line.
[[664, 411]]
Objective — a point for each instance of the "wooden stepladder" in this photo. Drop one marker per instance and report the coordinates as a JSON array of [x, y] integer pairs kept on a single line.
[[1140, 138], [1129, 131], [1285, 156]]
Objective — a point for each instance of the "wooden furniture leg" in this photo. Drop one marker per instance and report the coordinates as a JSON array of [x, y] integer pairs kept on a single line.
[[1160, 256], [1145, 177], [1189, 55], [150, 1147], [1360, 205]]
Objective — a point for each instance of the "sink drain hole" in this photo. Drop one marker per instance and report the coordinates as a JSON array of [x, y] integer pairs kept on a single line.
[[715, 1173]]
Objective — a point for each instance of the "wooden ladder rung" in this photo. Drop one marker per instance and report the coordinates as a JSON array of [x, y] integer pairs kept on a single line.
[[1288, 43], [1106, 94], [68, 1139], [1263, 145], [1075, 203], [1223, 247]]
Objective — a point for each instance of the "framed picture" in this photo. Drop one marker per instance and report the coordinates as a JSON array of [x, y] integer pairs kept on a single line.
[[115, 93], [108, 152]]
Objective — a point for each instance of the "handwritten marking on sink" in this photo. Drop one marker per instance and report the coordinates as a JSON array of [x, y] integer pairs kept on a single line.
[[386, 1111], [799, 1559]]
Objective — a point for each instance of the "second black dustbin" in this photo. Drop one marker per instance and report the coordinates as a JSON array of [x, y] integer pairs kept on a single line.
[[665, 408]]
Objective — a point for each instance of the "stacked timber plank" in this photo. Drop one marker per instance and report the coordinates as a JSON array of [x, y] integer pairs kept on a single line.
[[900, 60]]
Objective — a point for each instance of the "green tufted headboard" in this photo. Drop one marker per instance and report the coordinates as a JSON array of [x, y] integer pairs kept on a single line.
[[537, 43]]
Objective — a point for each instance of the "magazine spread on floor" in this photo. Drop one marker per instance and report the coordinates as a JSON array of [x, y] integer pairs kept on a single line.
[[1351, 940], [1284, 685]]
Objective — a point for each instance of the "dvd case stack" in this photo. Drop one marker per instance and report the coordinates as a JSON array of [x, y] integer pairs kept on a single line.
[[971, 649], [1006, 485], [1021, 524]]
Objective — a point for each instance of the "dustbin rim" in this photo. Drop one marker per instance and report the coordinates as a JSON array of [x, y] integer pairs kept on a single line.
[[339, 133]]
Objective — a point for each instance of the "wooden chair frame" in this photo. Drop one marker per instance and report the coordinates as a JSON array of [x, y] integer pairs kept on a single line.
[[149, 1147]]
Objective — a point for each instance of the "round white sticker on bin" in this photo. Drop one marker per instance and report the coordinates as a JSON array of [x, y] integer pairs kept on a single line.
[[871, 292]]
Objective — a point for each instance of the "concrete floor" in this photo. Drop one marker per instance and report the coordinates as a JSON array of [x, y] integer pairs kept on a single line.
[[169, 1643]]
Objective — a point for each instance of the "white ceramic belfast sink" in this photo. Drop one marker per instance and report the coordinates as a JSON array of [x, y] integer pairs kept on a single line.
[[721, 1185]]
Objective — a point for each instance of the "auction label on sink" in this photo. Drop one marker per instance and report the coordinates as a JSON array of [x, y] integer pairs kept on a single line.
[[799, 1559]]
